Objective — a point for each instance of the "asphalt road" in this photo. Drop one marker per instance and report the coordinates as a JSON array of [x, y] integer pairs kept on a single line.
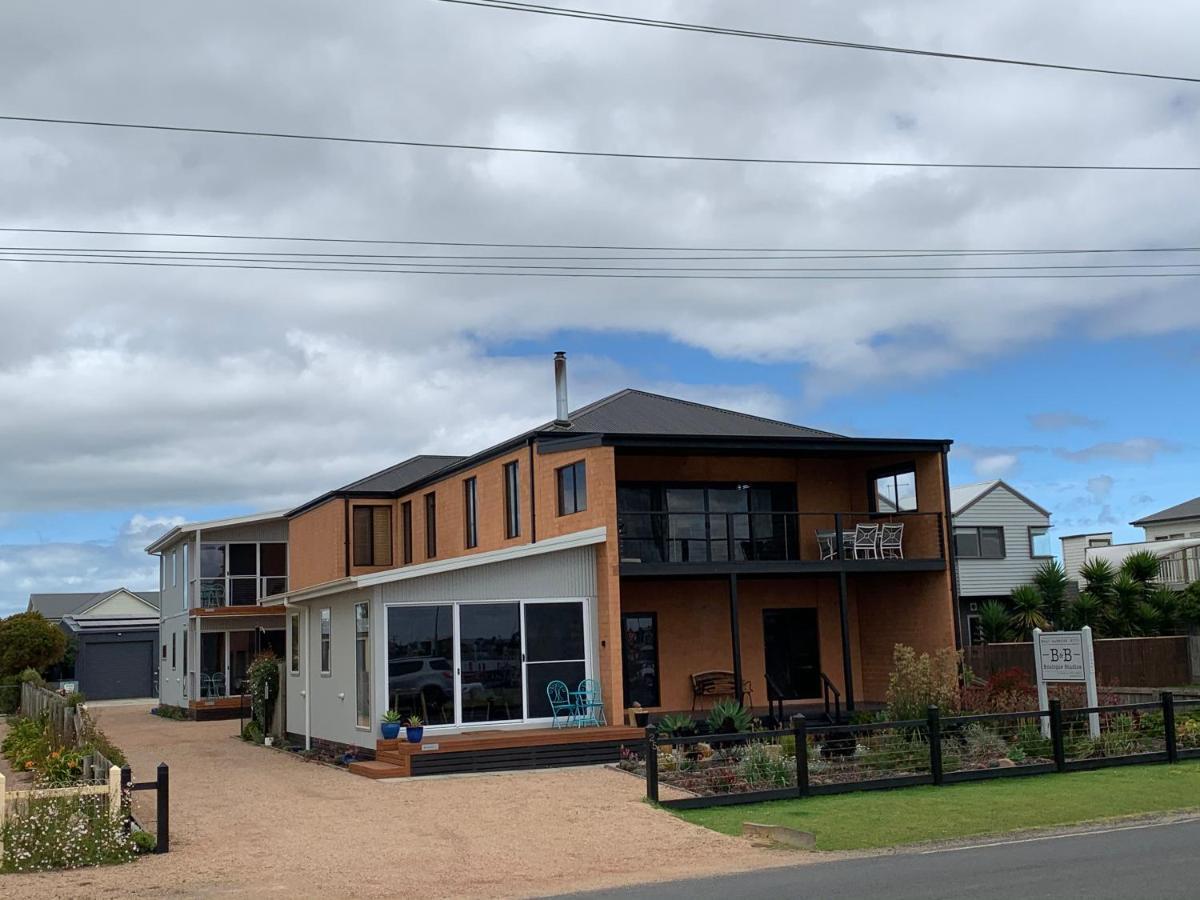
[[1121, 863]]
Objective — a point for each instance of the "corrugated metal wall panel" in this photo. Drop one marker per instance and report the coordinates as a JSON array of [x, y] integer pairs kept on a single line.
[[568, 573]]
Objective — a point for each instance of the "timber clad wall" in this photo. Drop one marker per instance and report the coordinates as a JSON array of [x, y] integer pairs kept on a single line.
[[994, 577], [317, 545]]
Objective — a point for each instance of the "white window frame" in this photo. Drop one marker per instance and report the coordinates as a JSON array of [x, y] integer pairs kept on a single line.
[[186, 579], [294, 643], [590, 661], [325, 641], [173, 573], [365, 638]]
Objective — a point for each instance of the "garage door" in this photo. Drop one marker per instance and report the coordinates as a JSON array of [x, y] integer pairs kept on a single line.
[[118, 669]]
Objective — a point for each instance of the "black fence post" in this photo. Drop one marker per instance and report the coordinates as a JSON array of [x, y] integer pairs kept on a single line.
[[800, 733], [1056, 735], [1168, 708], [935, 744], [163, 795], [126, 798], [652, 763]]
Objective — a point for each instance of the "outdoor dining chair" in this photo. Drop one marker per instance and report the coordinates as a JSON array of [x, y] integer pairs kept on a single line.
[[827, 544], [590, 704], [865, 541], [561, 703], [891, 538]]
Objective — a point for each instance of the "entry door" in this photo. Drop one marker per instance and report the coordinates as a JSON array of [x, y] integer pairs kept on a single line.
[[792, 648]]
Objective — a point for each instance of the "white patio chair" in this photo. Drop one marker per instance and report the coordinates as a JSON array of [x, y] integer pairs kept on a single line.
[[827, 544], [891, 537], [866, 542]]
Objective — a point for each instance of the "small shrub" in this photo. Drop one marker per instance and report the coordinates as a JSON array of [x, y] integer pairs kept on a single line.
[[144, 841], [170, 712], [728, 717], [63, 833], [92, 738], [981, 744], [75, 698], [765, 765], [676, 725], [1031, 743], [1016, 754], [32, 676], [918, 682], [1119, 736], [1187, 734], [253, 732]]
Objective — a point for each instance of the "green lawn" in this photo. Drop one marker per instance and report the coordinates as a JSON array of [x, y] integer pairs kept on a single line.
[[910, 815]]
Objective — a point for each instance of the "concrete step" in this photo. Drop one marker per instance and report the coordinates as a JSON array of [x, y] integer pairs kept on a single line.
[[378, 769]]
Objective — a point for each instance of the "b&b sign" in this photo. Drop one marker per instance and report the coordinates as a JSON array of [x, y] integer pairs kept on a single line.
[[1062, 656]]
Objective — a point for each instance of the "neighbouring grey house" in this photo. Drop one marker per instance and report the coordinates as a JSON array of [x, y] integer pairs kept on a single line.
[[1171, 534], [212, 576], [1175, 523], [1001, 538], [115, 634]]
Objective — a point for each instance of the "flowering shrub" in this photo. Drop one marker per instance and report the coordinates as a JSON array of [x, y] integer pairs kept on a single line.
[[918, 682], [63, 833]]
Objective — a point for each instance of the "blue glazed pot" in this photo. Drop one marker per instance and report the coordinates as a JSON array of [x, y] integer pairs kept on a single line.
[[415, 734], [391, 730]]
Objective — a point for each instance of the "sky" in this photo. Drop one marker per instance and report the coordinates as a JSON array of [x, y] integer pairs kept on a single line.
[[132, 398]]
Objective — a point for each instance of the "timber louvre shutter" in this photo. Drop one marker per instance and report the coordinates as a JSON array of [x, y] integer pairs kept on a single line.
[[372, 536]]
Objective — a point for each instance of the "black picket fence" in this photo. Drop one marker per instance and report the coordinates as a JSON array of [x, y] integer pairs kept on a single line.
[[807, 759]]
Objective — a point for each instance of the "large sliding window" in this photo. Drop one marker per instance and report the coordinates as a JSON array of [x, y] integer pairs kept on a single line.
[[420, 667], [241, 574], [639, 658], [464, 663], [362, 668]]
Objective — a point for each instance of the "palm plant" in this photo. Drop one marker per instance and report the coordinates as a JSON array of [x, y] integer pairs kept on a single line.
[[1141, 566], [1167, 609], [1126, 613], [1051, 581], [1028, 609], [1087, 609], [994, 624], [1098, 575]]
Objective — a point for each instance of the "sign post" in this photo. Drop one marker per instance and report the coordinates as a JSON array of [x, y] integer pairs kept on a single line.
[[1066, 656]]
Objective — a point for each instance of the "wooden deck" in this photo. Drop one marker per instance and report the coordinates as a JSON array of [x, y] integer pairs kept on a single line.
[[493, 750]]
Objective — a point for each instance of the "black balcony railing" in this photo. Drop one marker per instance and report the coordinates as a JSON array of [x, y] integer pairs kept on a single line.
[[773, 536]]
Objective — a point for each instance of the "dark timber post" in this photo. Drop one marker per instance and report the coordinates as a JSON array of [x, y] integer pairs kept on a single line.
[[163, 795], [800, 732], [1168, 707], [1056, 735], [736, 631], [651, 753], [844, 612], [935, 744], [126, 797]]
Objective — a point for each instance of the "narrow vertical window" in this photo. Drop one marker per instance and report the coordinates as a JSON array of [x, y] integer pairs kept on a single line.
[[173, 580], [186, 576], [173, 636], [362, 672], [372, 535], [326, 640], [430, 525], [406, 525], [512, 499], [469, 513], [572, 488], [294, 656]]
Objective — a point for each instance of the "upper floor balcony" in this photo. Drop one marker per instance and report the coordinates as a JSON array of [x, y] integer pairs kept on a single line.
[[729, 528]]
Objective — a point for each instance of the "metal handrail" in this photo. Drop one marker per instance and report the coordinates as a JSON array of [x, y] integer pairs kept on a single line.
[[773, 694], [828, 686]]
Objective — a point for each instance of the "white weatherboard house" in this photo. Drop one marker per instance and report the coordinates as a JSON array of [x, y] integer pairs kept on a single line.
[[1001, 538]]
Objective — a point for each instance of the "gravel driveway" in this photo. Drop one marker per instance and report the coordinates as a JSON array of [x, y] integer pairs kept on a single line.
[[248, 821]]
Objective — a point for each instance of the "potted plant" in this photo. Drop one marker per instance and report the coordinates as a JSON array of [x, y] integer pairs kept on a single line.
[[414, 728], [390, 725]]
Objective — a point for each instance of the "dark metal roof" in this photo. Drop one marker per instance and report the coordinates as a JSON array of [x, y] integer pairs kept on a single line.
[[1189, 509], [397, 477], [640, 412], [55, 606]]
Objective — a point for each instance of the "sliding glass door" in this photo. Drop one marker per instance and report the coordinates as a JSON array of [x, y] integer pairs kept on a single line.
[[478, 663]]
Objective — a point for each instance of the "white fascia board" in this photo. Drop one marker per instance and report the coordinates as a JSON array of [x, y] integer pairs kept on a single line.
[[310, 593], [550, 545], [170, 536]]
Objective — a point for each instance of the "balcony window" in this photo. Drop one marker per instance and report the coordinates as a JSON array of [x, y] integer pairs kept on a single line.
[[240, 574], [894, 489], [979, 542]]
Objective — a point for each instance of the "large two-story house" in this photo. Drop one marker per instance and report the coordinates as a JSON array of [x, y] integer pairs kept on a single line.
[[638, 541], [1171, 534], [1001, 538]]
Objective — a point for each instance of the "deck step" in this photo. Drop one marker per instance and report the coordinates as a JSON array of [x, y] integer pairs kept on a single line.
[[377, 769]]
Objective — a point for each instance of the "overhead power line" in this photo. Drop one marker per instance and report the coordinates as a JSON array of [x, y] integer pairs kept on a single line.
[[597, 154], [559, 274], [613, 18], [318, 259], [889, 251]]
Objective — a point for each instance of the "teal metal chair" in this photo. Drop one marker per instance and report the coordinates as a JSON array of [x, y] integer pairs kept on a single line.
[[591, 703], [561, 703]]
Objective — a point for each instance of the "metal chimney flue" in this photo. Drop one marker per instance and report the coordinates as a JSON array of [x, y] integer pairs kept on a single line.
[[560, 388]]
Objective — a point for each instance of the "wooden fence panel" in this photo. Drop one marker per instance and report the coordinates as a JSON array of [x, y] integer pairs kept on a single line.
[[1125, 662]]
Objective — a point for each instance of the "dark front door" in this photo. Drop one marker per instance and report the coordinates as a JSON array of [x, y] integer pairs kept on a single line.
[[792, 652]]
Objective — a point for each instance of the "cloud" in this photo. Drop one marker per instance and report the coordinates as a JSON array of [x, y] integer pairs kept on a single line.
[[60, 567], [1139, 449], [1100, 487], [1061, 421], [996, 465]]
